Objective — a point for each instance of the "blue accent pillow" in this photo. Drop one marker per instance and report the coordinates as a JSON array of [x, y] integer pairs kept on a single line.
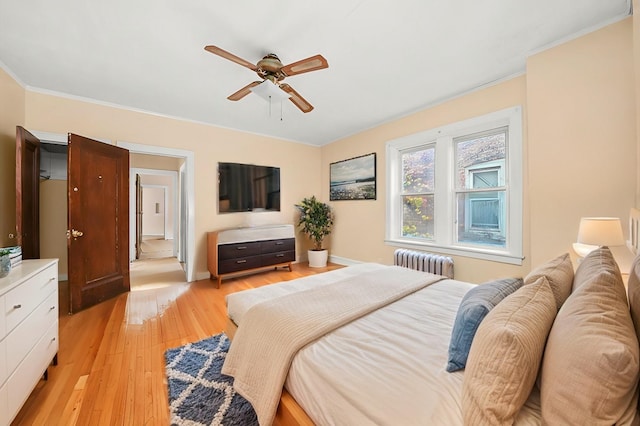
[[475, 305]]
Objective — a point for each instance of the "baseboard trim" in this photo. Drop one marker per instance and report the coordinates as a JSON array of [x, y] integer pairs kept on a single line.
[[343, 260]]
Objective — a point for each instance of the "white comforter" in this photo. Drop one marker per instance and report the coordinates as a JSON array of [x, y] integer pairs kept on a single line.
[[387, 368]]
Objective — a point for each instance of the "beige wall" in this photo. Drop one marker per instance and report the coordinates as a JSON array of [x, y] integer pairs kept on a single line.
[[152, 215], [12, 113], [582, 136], [636, 57], [579, 150], [152, 223], [300, 164], [158, 162], [53, 222]]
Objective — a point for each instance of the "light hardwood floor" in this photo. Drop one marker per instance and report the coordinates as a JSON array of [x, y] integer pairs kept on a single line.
[[111, 360]]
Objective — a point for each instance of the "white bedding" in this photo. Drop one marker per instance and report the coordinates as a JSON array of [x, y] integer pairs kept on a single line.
[[387, 368], [240, 302]]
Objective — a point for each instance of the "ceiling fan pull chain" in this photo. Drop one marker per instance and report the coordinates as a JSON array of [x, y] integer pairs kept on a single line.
[[280, 110]]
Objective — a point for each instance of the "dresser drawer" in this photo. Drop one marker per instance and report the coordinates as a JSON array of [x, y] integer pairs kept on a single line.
[[279, 257], [31, 369], [234, 265], [4, 371], [23, 299], [238, 250], [3, 318], [272, 246], [5, 418], [26, 335]]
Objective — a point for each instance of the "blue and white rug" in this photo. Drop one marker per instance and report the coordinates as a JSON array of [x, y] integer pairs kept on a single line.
[[198, 393]]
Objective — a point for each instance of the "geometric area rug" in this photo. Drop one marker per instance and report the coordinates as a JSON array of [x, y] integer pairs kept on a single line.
[[198, 393]]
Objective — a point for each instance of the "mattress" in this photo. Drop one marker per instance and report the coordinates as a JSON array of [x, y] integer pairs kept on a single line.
[[386, 368]]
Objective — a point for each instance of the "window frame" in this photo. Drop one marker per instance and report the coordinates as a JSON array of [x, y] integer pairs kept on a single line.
[[446, 190]]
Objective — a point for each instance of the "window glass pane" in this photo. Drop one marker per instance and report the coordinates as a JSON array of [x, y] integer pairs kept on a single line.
[[479, 159], [485, 178], [418, 170], [417, 216], [482, 218]]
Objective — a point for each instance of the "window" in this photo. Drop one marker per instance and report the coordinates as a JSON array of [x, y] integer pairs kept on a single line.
[[459, 188], [418, 184], [480, 187]]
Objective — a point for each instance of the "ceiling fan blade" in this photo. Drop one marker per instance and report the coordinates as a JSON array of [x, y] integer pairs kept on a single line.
[[230, 56], [313, 63], [297, 100], [243, 92]]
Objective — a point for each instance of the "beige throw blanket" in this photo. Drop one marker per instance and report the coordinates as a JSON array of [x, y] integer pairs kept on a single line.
[[272, 332]]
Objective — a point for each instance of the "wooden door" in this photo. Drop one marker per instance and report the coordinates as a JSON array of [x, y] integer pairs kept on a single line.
[[28, 193], [138, 215], [98, 221]]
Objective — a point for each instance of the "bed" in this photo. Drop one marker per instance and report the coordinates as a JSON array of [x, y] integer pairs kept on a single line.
[[389, 364]]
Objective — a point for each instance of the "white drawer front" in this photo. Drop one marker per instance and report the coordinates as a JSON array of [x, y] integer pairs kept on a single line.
[[3, 319], [26, 335], [5, 418], [29, 372], [4, 371], [23, 299]]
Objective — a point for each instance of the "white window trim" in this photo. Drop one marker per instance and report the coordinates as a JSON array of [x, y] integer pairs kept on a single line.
[[445, 229]]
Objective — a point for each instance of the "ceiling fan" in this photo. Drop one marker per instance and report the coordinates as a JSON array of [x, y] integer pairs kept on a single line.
[[270, 68]]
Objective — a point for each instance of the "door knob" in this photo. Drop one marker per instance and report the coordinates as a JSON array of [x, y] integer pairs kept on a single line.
[[75, 233]]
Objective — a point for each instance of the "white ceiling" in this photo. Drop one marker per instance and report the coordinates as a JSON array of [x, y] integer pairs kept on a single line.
[[386, 58]]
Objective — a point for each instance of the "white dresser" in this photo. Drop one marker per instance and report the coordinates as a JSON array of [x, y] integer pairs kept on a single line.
[[28, 331]]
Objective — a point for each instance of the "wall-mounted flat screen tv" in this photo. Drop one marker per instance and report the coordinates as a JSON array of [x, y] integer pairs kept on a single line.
[[247, 187]]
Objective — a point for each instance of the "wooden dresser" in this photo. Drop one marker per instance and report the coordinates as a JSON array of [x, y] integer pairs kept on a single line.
[[28, 331], [232, 251]]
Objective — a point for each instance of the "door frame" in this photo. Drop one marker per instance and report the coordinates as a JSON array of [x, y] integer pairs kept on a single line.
[[176, 206], [188, 207]]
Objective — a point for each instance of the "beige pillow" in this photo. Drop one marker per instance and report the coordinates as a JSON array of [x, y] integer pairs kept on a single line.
[[505, 355], [598, 260], [590, 366], [559, 272]]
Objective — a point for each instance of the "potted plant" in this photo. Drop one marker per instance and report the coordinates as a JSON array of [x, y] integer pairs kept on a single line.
[[316, 220], [5, 263]]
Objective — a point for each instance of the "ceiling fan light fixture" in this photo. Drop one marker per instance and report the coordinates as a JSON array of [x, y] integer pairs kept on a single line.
[[270, 92]]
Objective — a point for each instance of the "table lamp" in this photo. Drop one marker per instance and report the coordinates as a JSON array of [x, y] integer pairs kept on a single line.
[[596, 232]]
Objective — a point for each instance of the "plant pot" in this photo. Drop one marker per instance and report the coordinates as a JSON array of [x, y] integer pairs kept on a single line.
[[318, 258], [5, 266]]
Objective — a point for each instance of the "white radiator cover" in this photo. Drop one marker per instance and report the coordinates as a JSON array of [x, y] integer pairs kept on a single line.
[[421, 261]]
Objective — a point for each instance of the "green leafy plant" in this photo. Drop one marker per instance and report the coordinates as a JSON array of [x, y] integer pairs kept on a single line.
[[4, 252], [316, 220]]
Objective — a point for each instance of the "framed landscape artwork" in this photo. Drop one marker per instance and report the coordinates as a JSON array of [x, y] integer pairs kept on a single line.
[[353, 179]]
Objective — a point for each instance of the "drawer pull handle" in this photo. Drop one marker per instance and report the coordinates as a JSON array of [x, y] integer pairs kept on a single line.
[[280, 255], [17, 306], [241, 261], [52, 308], [279, 243], [52, 279], [53, 339], [241, 248]]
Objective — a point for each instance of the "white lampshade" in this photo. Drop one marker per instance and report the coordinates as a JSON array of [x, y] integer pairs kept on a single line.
[[600, 231], [596, 232], [270, 92]]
